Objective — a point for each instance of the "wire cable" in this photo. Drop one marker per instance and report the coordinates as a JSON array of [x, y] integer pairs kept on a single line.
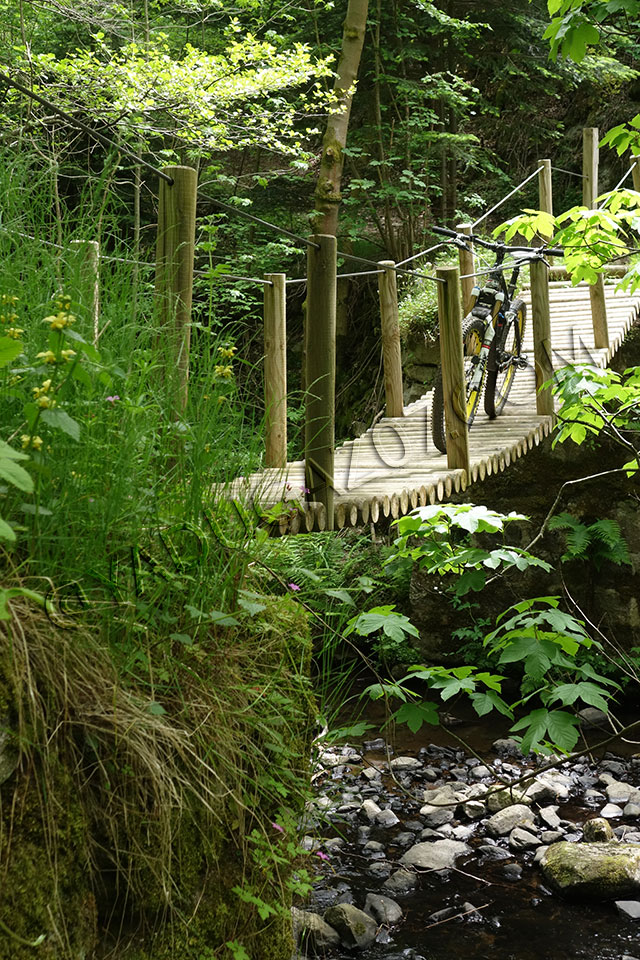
[[508, 196]]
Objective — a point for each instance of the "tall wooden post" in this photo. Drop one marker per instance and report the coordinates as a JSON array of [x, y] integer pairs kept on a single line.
[[541, 335], [391, 354], [174, 271], [589, 194], [275, 369], [635, 173], [320, 379], [451, 358], [545, 187], [87, 280], [467, 266]]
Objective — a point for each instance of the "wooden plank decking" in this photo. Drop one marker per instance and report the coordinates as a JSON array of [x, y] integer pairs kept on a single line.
[[394, 466]]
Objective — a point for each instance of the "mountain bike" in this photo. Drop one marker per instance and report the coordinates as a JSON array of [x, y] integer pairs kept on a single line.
[[492, 333]]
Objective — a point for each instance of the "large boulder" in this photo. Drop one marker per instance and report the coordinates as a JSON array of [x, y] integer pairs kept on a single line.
[[437, 855], [356, 928], [504, 821], [311, 933], [607, 870]]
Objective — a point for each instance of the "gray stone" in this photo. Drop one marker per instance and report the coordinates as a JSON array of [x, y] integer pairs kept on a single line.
[[370, 810], [480, 772], [503, 822], [512, 871], [618, 792], [429, 834], [520, 839], [380, 869], [356, 928], [311, 933], [371, 773], [611, 811], [437, 855], [506, 798], [401, 883], [333, 844], [549, 817], [630, 909], [404, 839], [540, 852], [463, 832], [507, 746], [370, 745], [474, 809], [490, 852], [593, 717], [551, 836], [405, 763], [549, 786], [436, 816], [606, 870], [632, 809], [597, 830], [382, 909], [372, 846], [387, 818]]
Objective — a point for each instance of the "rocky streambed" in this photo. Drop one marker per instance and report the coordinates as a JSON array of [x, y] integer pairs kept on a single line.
[[431, 855]]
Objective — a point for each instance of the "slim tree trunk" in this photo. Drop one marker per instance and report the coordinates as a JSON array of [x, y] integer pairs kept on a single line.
[[327, 195]]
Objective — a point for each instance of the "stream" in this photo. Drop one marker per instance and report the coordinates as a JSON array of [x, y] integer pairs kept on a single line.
[[493, 901]]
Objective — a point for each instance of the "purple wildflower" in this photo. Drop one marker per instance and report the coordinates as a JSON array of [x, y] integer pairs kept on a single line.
[[322, 855], [293, 586], [112, 399], [276, 826]]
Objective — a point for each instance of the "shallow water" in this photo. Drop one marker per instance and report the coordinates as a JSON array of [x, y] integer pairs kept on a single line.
[[515, 920]]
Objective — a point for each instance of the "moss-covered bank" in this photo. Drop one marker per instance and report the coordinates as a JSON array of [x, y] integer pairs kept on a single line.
[[131, 813]]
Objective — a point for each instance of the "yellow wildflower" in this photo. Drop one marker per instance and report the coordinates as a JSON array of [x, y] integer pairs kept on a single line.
[[60, 320], [221, 399], [41, 391], [8, 298], [47, 403], [68, 354], [8, 318], [14, 332], [34, 442], [47, 356], [63, 302], [223, 371], [226, 352]]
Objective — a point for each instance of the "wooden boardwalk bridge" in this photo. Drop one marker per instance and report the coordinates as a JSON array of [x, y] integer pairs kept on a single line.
[[394, 467]]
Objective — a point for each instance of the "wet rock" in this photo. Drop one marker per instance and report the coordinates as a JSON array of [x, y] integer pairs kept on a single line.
[[490, 852], [540, 852], [370, 810], [474, 809], [616, 767], [372, 846], [611, 811], [430, 773], [405, 763], [521, 839], [437, 855], [504, 821], [629, 909], [356, 928], [429, 834], [549, 786], [463, 832], [401, 883], [480, 772], [363, 834], [404, 839], [387, 818], [507, 746], [373, 745], [631, 809], [333, 844], [551, 836], [445, 914], [593, 717], [371, 773], [597, 830], [311, 933], [606, 870], [593, 796], [512, 871], [414, 825], [549, 817], [619, 792], [506, 798], [330, 759], [382, 909], [380, 869], [436, 816]]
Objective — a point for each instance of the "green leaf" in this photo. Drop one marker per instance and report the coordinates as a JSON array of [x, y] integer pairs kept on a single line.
[[10, 349], [416, 714], [340, 594], [156, 709], [6, 533], [60, 420], [16, 475], [10, 454]]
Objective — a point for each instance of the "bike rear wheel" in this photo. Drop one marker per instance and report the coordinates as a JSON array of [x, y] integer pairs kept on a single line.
[[472, 338], [506, 356]]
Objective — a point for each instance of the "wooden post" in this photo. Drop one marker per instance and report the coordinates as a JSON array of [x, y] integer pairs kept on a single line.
[[541, 335], [453, 380], [467, 266], [391, 354], [545, 187], [174, 271], [320, 379], [275, 369], [87, 280], [589, 194], [635, 173]]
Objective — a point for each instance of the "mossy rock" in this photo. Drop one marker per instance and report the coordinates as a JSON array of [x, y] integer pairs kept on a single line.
[[605, 870]]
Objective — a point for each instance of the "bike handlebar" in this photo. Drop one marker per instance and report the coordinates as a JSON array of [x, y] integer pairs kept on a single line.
[[463, 238]]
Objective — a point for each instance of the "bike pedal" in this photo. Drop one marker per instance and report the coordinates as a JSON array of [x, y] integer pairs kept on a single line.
[[522, 362]]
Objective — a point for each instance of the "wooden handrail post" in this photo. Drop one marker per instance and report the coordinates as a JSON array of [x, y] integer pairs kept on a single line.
[[635, 173], [320, 379], [545, 188], [174, 270], [467, 266], [275, 369], [390, 325], [541, 319], [589, 193], [87, 280], [453, 379]]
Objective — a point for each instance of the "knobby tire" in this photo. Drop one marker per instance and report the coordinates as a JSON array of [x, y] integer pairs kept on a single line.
[[500, 378], [472, 336]]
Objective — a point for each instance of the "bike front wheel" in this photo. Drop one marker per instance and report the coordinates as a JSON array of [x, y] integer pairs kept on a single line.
[[503, 360], [472, 338]]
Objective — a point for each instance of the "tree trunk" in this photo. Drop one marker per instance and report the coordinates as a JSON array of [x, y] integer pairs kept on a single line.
[[327, 195]]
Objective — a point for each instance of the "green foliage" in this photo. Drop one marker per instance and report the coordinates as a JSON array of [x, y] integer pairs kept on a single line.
[[598, 543]]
